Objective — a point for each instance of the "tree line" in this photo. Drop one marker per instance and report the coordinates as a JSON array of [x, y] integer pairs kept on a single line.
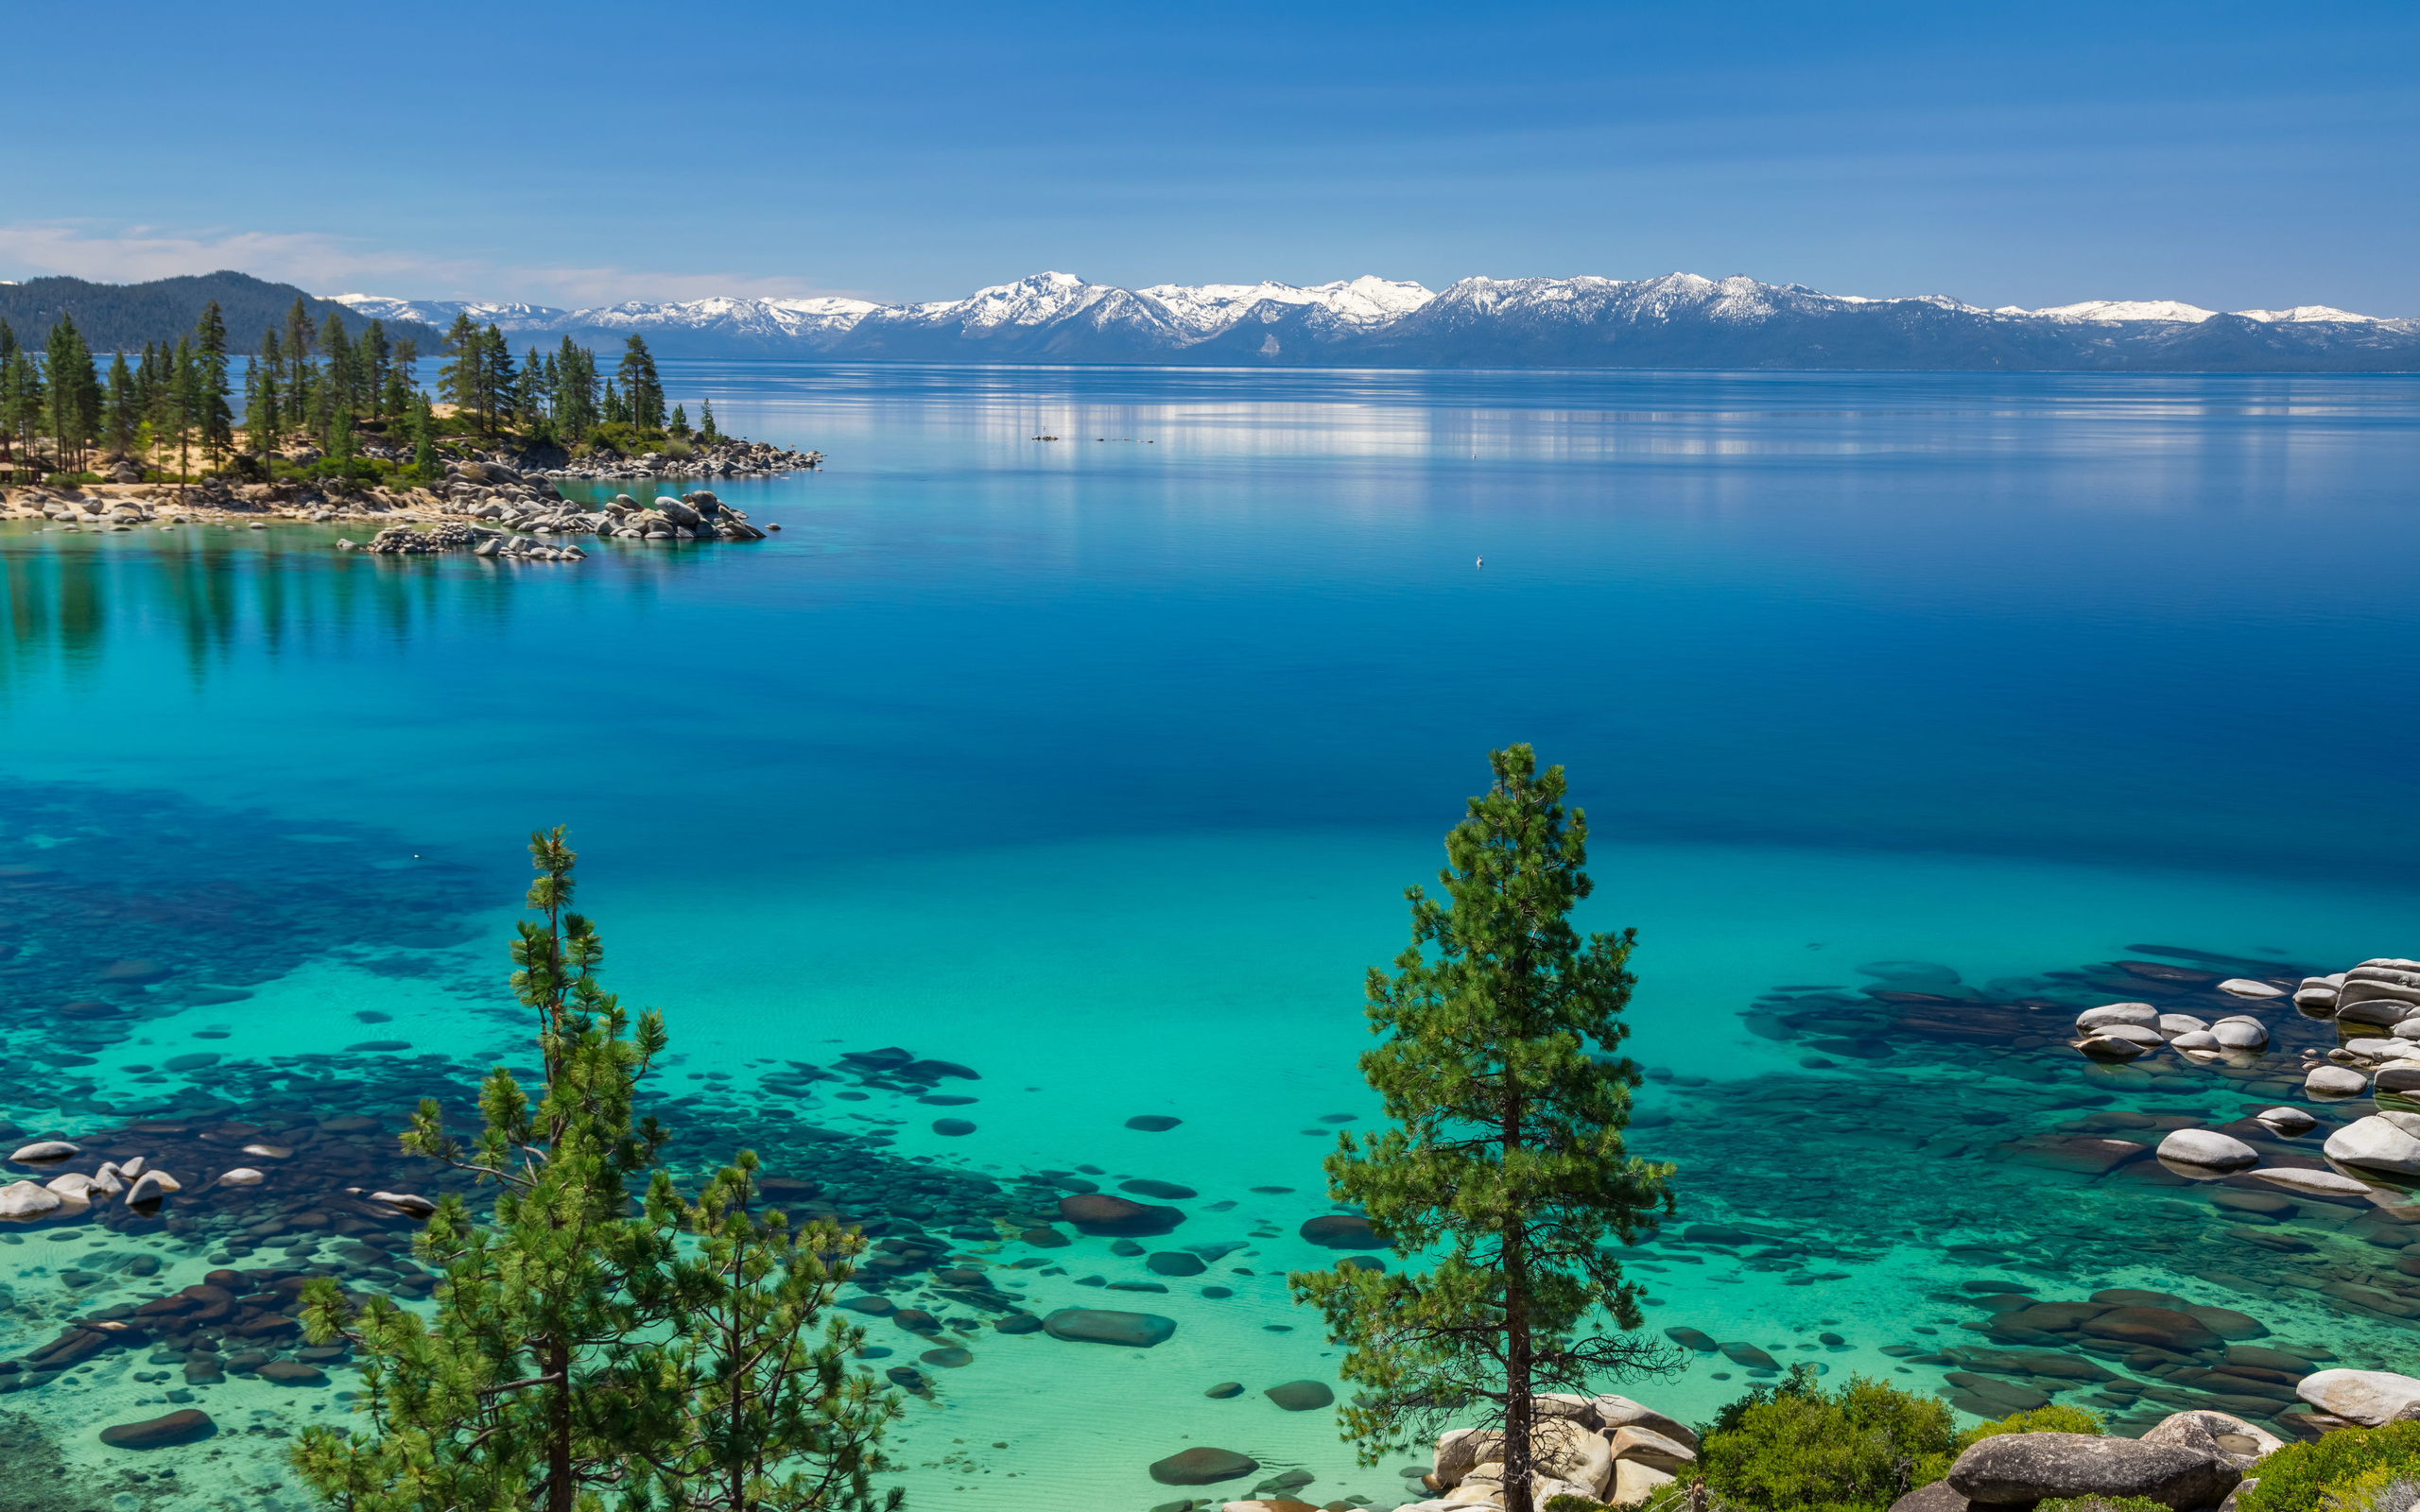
[[314, 382]]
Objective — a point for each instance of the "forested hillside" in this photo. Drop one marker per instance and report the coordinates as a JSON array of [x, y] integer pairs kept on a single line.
[[122, 316]]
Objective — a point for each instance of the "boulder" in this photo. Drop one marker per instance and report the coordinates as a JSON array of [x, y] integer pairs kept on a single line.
[[1301, 1396], [23, 1201], [1102, 1215], [2172, 1024], [242, 1175], [1203, 1466], [2112, 1048], [2286, 1123], [1563, 1449], [1635, 1480], [2201, 1041], [2335, 1083], [2141, 1015], [2230, 1437], [1937, 1497], [2383, 1013], [1092, 1325], [2369, 1398], [1652, 1449], [2244, 986], [44, 1152], [1342, 1230], [2241, 1033], [291, 1373], [1174, 1262], [2397, 1076], [159, 1432], [1613, 1414], [2388, 1142], [2028, 1468], [2133, 1034], [150, 1189], [2201, 1150]]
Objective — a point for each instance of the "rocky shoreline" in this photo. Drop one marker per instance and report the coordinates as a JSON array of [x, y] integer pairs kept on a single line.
[[724, 460]]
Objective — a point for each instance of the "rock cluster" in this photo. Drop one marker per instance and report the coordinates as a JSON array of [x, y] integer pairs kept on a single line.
[[723, 460], [1609, 1449], [500, 515]]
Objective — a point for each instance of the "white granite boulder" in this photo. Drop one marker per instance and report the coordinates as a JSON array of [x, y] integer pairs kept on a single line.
[[2206, 1150], [2369, 1398], [2387, 1142], [2141, 1015], [2244, 986]]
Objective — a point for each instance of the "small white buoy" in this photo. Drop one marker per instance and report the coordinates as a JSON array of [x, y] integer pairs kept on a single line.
[[1482, 562]]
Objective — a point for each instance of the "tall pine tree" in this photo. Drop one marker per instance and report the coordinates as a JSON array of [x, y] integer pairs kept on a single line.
[[125, 411], [75, 413], [642, 391], [582, 1354], [1498, 1066], [213, 419]]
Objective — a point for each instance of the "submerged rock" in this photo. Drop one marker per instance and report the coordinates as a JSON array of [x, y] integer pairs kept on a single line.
[[1342, 1230], [1301, 1395], [183, 1427], [1099, 1214], [1203, 1466], [1092, 1325]]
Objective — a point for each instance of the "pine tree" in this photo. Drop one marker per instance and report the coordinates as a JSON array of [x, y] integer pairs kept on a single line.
[[1497, 1063], [642, 391], [339, 381], [707, 429], [374, 356], [423, 429], [403, 368], [213, 419], [302, 381], [75, 412], [265, 417], [580, 1352], [21, 407], [124, 414], [184, 403], [576, 409], [498, 380], [678, 424], [461, 381]]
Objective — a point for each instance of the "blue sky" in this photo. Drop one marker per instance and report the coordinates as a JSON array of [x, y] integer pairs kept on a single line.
[[2231, 155]]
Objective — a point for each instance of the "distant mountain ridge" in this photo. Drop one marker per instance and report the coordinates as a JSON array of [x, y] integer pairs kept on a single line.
[[122, 316], [1678, 320]]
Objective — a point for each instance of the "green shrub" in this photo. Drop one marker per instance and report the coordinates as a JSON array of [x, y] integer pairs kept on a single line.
[[1789, 1445], [2098, 1503], [2296, 1477], [2379, 1489], [2051, 1419]]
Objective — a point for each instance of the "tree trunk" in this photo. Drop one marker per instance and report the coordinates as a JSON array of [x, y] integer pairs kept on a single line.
[[560, 1491], [1519, 1408]]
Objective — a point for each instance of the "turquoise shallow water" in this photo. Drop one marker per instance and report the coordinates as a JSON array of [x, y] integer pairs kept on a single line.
[[1097, 765]]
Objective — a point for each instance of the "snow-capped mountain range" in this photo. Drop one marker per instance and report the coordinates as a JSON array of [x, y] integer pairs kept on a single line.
[[1679, 320]]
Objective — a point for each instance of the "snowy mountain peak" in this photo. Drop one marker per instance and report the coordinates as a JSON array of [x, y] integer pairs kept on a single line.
[[1674, 319]]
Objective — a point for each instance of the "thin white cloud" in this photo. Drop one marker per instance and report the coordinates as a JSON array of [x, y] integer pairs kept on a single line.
[[330, 265]]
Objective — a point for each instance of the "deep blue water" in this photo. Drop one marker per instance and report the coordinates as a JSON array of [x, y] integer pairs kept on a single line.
[[1099, 763]]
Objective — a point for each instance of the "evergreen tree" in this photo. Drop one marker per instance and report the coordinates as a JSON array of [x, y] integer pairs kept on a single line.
[[302, 380], [403, 373], [264, 418], [642, 392], [680, 423], [424, 439], [1496, 1065], [8, 342], [706, 430], [184, 403], [613, 410], [124, 421], [213, 419], [75, 412], [339, 383], [20, 409], [374, 356], [576, 409], [461, 382], [501, 384], [580, 1351], [146, 377]]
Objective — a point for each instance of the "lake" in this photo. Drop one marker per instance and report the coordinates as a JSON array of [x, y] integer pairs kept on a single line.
[[1097, 765]]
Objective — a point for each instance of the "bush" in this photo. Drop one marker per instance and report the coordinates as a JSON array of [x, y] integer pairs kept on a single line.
[[2296, 1477], [2098, 1503], [1789, 1445], [2379, 1489], [2051, 1419]]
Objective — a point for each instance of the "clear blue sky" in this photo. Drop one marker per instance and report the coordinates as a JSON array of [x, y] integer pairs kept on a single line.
[[2233, 155]]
